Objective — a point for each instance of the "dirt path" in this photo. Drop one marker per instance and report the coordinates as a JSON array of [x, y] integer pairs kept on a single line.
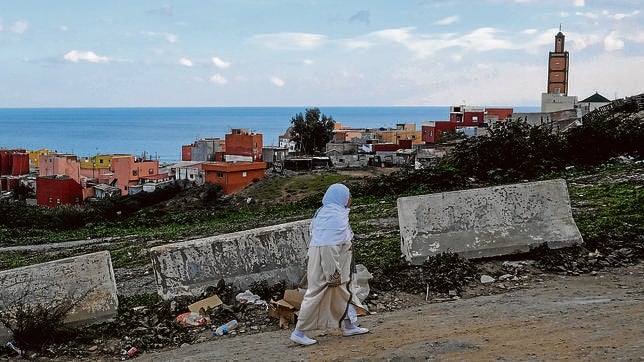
[[577, 318]]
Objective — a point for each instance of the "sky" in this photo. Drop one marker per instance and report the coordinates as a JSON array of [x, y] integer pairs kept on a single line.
[[190, 53]]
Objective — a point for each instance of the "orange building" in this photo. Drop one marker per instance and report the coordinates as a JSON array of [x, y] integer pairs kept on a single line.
[[233, 176], [59, 164], [127, 171]]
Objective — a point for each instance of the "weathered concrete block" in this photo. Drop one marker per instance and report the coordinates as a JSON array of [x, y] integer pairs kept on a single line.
[[487, 222], [274, 252], [86, 280]]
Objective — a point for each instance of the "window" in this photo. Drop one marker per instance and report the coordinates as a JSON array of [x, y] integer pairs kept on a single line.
[[244, 174], [220, 174], [50, 200], [475, 118], [151, 171], [100, 161], [135, 172]]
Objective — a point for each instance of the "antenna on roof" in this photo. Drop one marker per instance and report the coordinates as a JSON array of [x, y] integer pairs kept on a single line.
[[559, 26]]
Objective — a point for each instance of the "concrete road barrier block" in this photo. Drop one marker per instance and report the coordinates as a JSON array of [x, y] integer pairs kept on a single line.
[[487, 222], [87, 281], [275, 252]]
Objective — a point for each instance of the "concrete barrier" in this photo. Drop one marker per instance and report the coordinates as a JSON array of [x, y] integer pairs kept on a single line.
[[274, 252], [487, 222], [86, 280]]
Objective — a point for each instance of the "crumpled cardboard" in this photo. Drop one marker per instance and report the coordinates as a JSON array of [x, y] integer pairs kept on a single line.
[[286, 309], [203, 305]]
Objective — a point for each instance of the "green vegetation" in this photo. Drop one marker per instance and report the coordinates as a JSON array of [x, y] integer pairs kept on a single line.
[[311, 131]]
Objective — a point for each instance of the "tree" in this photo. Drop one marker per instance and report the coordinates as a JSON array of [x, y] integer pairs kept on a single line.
[[312, 131]]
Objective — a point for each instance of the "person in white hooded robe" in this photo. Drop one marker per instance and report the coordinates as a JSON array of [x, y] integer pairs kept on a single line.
[[328, 300]]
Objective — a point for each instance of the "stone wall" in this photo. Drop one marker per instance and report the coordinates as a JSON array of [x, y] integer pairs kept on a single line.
[[487, 222]]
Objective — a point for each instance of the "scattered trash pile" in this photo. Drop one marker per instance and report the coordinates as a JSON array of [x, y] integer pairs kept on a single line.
[[147, 323]]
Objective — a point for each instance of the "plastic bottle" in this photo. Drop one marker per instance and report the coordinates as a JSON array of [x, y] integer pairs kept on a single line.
[[225, 328], [16, 349]]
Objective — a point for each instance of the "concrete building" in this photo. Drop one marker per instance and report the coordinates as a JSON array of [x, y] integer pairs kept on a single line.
[[242, 142], [233, 176], [58, 190], [459, 117], [593, 102], [202, 150], [402, 132]]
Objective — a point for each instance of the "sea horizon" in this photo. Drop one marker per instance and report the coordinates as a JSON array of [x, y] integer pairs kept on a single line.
[[159, 132]]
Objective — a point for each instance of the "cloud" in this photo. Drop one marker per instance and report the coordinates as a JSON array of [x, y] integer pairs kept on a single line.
[[170, 38], [587, 15], [19, 27], [612, 43], [278, 82], [186, 62], [307, 61], [162, 10], [425, 45], [361, 16], [448, 20], [76, 56], [621, 16], [356, 44], [293, 41], [579, 3], [218, 79], [219, 63]]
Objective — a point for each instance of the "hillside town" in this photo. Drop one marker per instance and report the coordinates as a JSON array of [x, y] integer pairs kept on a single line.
[[239, 158]]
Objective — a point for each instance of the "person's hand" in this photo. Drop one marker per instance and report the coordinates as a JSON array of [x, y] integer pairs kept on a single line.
[[333, 280]]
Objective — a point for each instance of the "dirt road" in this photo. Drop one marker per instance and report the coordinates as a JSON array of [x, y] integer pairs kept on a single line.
[[572, 318]]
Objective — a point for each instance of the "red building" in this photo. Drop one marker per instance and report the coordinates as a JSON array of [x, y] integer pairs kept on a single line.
[[241, 142], [459, 117], [498, 114], [233, 176], [58, 190], [463, 116], [14, 162]]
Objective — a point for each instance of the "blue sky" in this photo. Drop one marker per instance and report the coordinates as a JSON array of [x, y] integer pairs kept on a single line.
[[312, 52]]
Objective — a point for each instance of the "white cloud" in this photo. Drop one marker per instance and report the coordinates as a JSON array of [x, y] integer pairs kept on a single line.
[[612, 43], [170, 38], [529, 31], [308, 61], [278, 82], [63, 28], [186, 62], [356, 44], [587, 15], [304, 41], [448, 20], [76, 56], [218, 79], [621, 16], [579, 3], [483, 39], [19, 27], [219, 63]]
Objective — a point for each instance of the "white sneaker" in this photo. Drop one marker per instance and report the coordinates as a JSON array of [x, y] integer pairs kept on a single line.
[[303, 340], [354, 331]]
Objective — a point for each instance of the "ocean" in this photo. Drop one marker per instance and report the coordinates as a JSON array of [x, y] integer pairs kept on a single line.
[[159, 133]]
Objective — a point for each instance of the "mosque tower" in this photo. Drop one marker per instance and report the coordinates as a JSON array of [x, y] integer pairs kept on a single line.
[[558, 67]]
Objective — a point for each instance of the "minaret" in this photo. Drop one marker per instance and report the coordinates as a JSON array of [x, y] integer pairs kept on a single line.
[[558, 67]]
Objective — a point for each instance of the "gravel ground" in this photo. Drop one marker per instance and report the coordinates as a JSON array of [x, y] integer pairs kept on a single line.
[[591, 317]]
